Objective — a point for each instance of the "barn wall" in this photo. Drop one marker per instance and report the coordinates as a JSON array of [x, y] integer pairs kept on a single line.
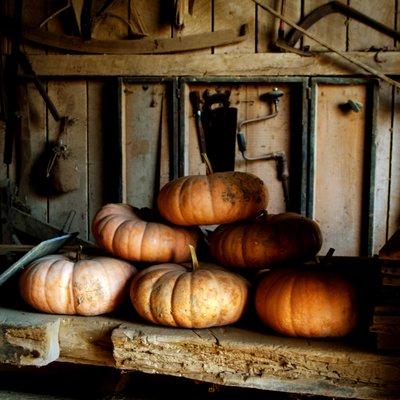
[[85, 101]]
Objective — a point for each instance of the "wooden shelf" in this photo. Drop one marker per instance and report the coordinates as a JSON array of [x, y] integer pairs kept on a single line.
[[226, 356], [260, 64]]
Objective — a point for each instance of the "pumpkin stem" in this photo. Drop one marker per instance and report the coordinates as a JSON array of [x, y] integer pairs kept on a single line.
[[79, 253], [327, 257], [207, 162], [195, 261]]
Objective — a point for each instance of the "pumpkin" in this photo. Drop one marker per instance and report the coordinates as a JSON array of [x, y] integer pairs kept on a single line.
[[267, 240], [211, 199], [200, 296], [59, 284], [310, 303], [120, 230]]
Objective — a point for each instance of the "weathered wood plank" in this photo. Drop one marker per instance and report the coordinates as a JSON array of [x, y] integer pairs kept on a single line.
[[28, 338], [332, 29], [234, 357], [199, 21], [394, 195], [362, 37], [203, 65], [267, 24], [86, 340], [70, 97], [231, 14], [96, 151], [30, 148], [382, 170], [144, 104], [338, 180]]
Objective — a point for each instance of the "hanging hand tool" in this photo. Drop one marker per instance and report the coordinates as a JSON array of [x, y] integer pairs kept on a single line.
[[342, 54], [194, 97], [149, 45], [278, 156], [219, 122]]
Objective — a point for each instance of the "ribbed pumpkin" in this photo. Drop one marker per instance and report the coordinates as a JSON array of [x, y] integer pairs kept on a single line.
[[307, 303], [177, 295], [266, 240], [216, 198], [120, 230], [58, 284]]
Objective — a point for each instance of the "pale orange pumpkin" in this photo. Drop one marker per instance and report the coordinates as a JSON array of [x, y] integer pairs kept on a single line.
[[309, 303], [120, 230], [216, 198], [267, 240], [59, 284], [201, 296]]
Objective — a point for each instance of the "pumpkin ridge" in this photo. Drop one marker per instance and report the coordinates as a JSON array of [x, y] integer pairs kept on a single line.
[[211, 197], [113, 243], [174, 291], [178, 196], [292, 303], [166, 277], [218, 320], [45, 284], [187, 186]]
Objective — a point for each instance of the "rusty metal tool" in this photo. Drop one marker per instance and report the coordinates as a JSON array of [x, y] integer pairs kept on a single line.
[[340, 53], [219, 122], [194, 97], [279, 156]]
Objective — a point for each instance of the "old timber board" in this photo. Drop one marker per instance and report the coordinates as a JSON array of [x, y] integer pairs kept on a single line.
[[226, 356]]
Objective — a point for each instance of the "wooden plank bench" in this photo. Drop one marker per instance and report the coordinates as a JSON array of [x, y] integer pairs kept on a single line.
[[226, 356]]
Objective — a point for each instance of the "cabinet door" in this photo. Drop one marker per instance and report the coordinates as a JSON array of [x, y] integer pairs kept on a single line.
[[287, 132], [342, 154]]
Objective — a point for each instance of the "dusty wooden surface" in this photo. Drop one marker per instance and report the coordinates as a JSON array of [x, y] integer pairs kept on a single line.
[[339, 163], [214, 64], [231, 356], [28, 339], [227, 356]]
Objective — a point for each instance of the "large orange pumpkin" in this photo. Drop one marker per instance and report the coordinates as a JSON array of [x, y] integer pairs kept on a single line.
[[266, 240], [306, 303], [120, 230], [176, 295], [59, 284], [217, 198]]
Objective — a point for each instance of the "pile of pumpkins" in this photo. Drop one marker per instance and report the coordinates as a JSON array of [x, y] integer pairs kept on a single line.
[[178, 290]]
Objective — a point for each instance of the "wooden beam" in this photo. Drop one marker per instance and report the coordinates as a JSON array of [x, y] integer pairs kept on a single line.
[[28, 338], [227, 356], [260, 64], [235, 357]]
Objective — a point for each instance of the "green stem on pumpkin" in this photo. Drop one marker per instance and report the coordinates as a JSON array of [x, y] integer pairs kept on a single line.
[[195, 261]]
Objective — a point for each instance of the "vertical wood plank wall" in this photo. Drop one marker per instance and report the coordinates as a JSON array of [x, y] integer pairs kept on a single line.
[[83, 100]]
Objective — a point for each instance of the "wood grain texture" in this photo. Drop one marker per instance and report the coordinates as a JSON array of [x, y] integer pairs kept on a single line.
[[198, 22], [339, 163], [269, 136], [331, 29], [95, 148], [234, 357], [232, 14], [70, 99], [31, 146], [394, 195], [28, 338], [267, 24], [143, 107], [382, 170], [270, 64], [362, 37]]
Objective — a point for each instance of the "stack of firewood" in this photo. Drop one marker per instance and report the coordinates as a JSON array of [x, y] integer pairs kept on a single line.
[[386, 318]]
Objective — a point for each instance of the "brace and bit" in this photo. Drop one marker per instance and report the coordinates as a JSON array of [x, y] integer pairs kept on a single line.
[[279, 156]]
